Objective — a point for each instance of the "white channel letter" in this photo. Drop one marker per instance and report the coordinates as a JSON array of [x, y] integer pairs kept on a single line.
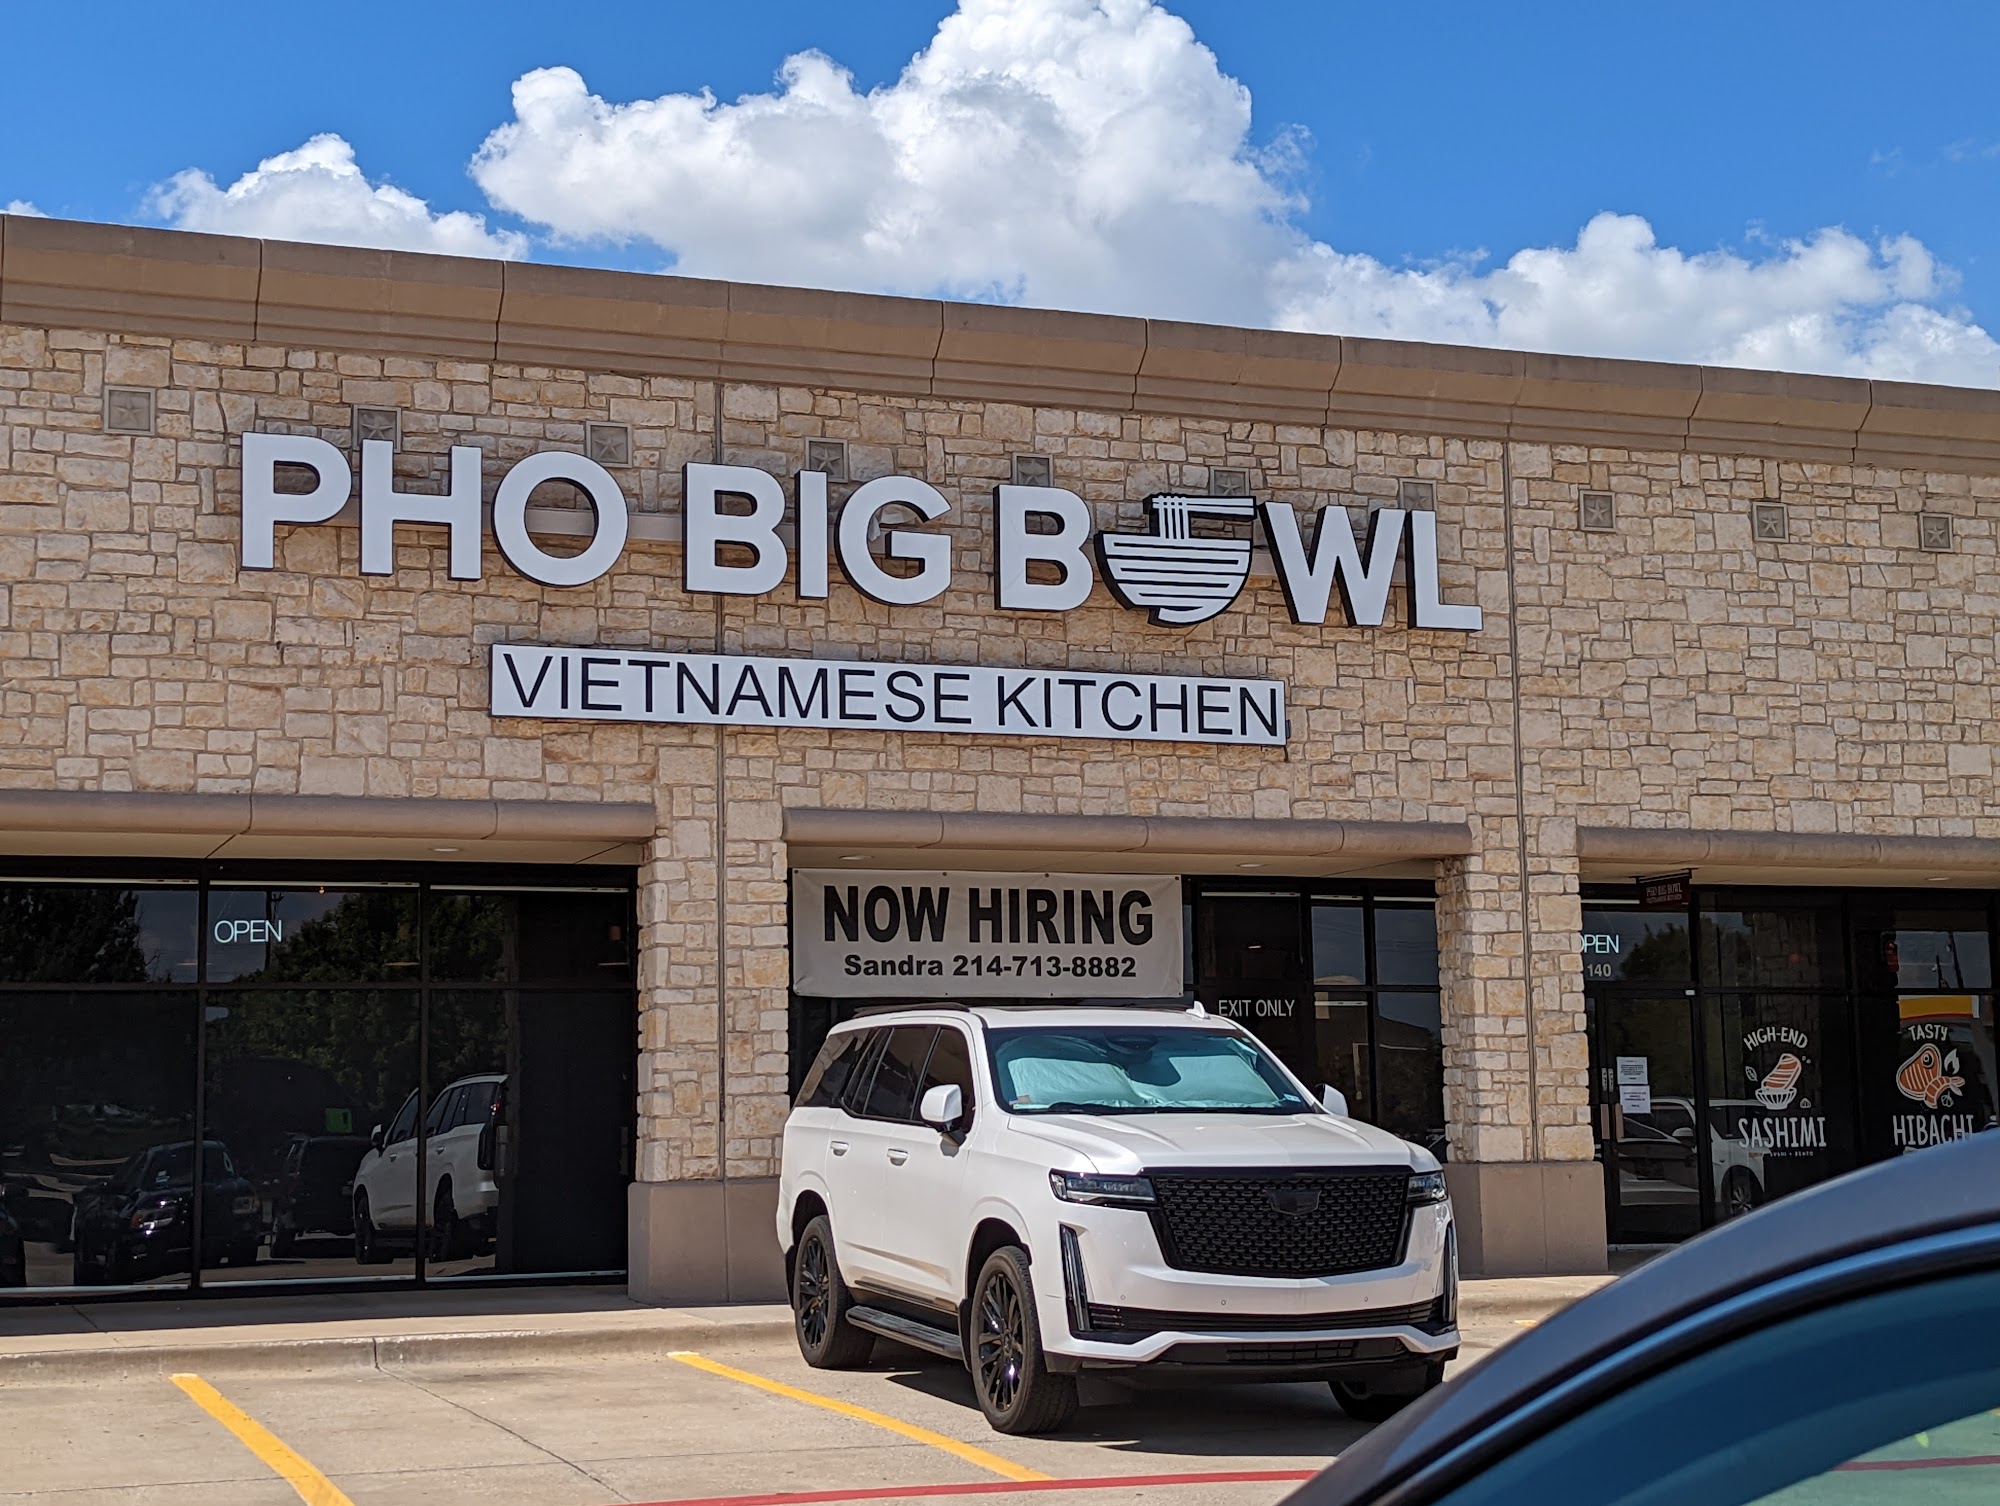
[[1308, 577], [930, 551], [1014, 548], [813, 548], [1426, 611], [383, 507], [706, 527], [510, 518], [264, 506]]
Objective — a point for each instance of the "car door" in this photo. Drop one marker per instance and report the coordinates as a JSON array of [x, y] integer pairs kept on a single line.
[[878, 1132], [392, 1181], [924, 1184], [841, 1164]]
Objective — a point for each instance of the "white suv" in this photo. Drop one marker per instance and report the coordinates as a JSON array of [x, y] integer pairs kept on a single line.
[[465, 1141], [1037, 1192]]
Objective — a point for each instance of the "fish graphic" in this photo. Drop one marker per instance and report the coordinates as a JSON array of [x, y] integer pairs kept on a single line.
[[1781, 1084], [1926, 1076]]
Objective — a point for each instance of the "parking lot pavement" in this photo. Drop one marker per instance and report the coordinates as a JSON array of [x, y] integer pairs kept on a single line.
[[590, 1432]]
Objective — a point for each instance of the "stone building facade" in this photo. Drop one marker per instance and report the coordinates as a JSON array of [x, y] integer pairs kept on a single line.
[[1723, 630]]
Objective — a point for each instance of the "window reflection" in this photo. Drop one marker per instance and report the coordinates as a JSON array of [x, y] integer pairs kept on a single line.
[[97, 933], [96, 1088], [317, 935]]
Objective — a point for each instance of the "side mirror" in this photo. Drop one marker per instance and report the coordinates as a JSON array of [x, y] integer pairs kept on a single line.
[[1685, 1135], [943, 1106], [375, 1138], [1333, 1100]]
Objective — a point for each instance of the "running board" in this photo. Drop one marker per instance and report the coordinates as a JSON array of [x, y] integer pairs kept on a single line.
[[908, 1331]]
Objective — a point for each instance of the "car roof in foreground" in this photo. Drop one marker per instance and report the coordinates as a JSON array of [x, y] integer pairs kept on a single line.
[[1942, 1189], [1050, 1016]]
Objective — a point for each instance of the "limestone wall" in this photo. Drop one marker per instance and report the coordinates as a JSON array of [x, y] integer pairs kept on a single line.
[[1671, 672]]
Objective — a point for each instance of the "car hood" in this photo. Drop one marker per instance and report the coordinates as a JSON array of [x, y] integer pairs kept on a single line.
[[1134, 1142]]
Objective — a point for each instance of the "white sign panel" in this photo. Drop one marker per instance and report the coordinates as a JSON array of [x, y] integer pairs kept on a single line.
[[949, 936], [1635, 1098], [1633, 1070], [634, 685]]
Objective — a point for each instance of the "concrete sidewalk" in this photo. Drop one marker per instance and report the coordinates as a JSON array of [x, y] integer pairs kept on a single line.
[[272, 1334]]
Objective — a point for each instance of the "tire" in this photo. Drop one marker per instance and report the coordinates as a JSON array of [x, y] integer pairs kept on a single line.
[[1010, 1373], [283, 1240], [1381, 1396], [81, 1271], [1740, 1194], [243, 1252], [367, 1243], [820, 1301], [447, 1234]]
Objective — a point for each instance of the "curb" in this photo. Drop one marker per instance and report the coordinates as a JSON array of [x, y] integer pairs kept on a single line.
[[494, 1346], [394, 1351]]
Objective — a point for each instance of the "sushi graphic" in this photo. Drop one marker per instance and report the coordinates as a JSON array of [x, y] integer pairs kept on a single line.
[[1781, 1084], [1171, 574], [1928, 1076]]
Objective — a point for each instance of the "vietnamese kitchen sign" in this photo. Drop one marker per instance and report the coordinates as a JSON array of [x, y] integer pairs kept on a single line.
[[918, 935]]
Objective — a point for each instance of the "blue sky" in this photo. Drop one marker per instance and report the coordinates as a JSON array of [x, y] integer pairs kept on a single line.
[[1803, 185]]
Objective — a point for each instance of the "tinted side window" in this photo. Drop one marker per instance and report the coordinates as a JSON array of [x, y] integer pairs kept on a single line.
[[439, 1118], [865, 1058], [893, 1093], [828, 1078], [950, 1063], [406, 1122]]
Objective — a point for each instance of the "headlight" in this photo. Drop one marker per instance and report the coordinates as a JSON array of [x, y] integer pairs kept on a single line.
[[245, 1204], [1112, 1192], [1427, 1187], [146, 1220]]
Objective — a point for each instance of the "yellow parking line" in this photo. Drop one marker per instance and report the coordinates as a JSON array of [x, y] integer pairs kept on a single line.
[[313, 1487], [1005, 1468]]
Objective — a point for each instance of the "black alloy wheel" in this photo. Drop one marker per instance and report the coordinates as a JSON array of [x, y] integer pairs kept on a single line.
[[820, 1301], [1010, 1375], [1740, 1194]]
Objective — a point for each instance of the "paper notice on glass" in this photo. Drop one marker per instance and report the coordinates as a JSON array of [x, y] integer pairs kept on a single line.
[[1635, 1098], [1632, 1071]]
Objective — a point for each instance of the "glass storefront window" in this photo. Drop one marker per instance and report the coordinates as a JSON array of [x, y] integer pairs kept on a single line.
[[515, 936], [1780, 1091], [1406, 948], [1339, 943], [296, 1081], [1944, 1078], [312, 1104], [97, 1120], [1409, 1066], [97, 933], [1624, 944], [1344, 1050], [1754, 941], [316, 935]]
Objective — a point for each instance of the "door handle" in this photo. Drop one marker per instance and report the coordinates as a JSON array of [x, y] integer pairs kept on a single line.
[[838, 1147], [898, 1156]]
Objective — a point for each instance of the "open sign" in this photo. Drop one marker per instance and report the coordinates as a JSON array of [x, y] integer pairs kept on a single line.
[[226, 931]]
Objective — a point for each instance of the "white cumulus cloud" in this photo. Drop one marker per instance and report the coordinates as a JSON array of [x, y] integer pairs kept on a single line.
[[1090, 154], [23, 207], [319, 193], [1072, 153], [1093, 154]]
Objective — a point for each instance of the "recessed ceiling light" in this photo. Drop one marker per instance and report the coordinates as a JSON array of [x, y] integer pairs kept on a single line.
[[444, 849], [1941, 878], [1249, 865], [855, 857]]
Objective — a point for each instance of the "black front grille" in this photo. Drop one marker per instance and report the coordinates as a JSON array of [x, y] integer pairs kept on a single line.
[[1281, 1223], [1107, 1319]]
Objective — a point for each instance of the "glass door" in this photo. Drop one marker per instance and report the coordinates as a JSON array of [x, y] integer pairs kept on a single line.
[[1250, 956], [1649, 1118]]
